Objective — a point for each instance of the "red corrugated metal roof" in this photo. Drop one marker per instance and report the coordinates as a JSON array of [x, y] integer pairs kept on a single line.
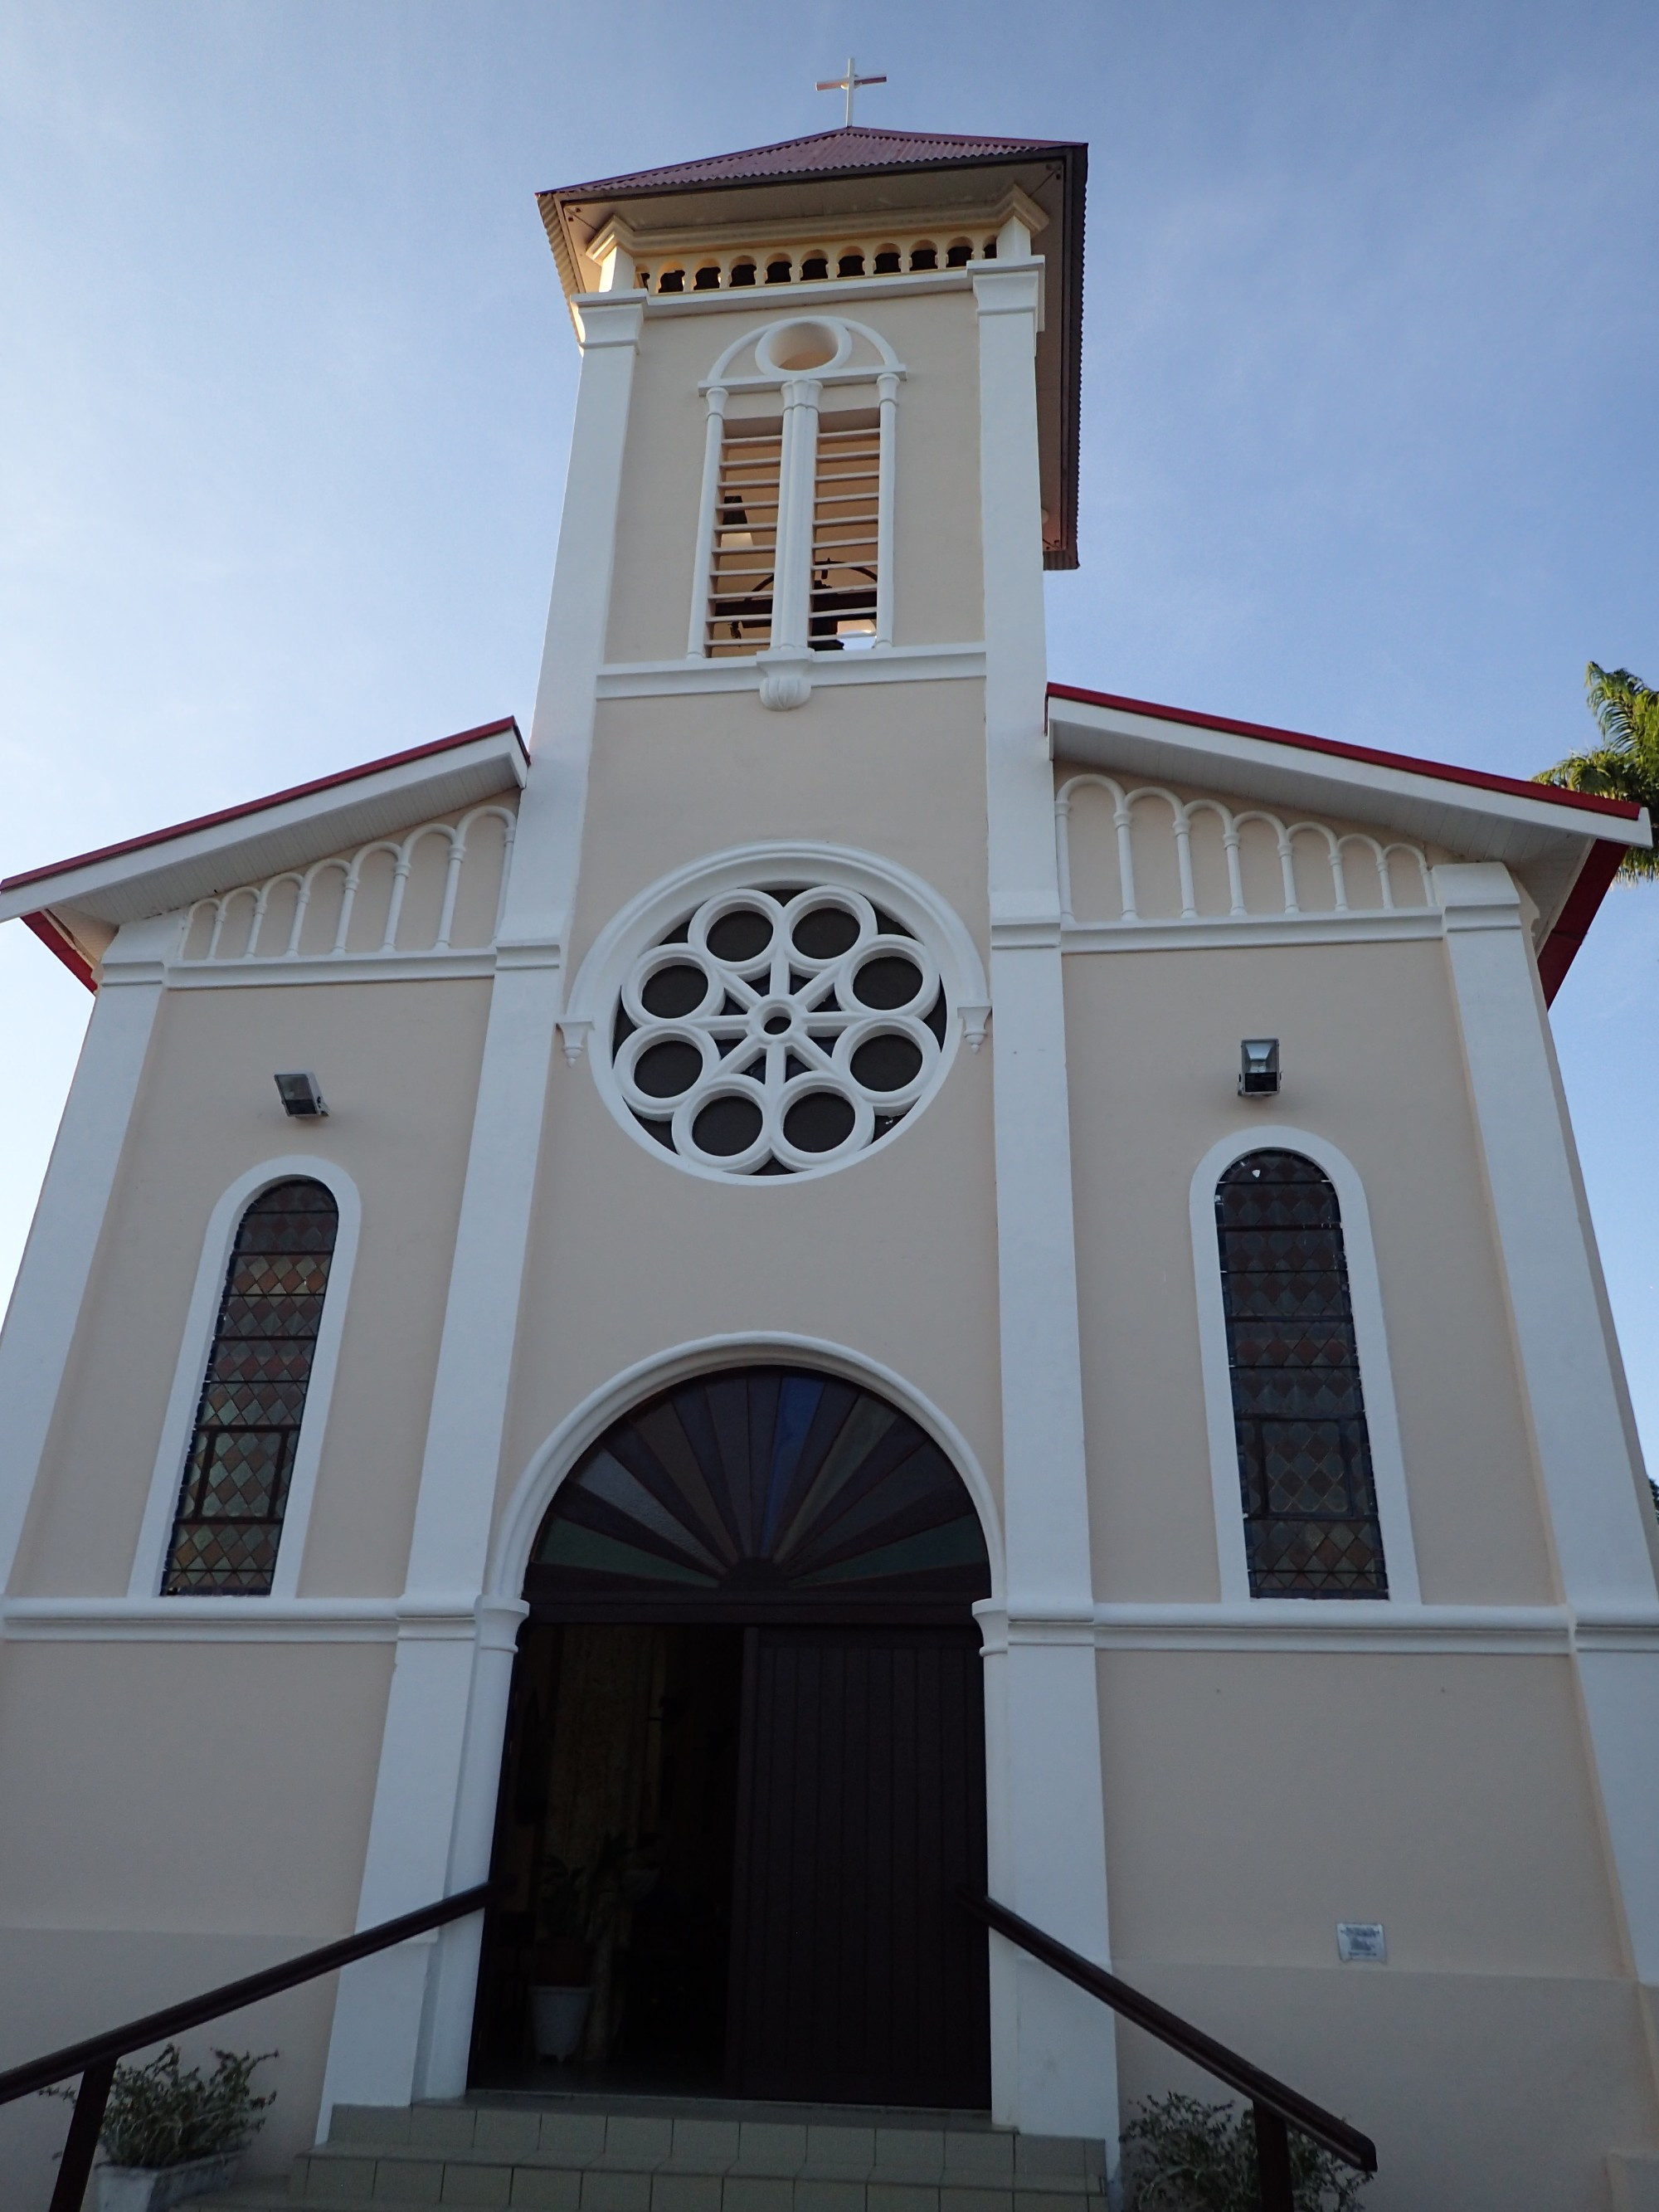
[[850, 148]]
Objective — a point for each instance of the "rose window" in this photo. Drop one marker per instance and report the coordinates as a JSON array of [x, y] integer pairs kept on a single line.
[[779, 1031]]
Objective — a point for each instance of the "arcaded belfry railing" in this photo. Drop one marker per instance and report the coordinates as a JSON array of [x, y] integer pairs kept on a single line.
[[438, 888], [1169, 858]]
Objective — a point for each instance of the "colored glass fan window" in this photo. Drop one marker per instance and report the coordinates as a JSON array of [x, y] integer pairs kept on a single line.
[[756, 1491], [241, 1454], [1304, 1461]]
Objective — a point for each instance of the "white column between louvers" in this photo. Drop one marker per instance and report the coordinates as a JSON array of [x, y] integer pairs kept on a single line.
[[402, 2019], [1053, 2050], [69, 1219], [1594, 1488]]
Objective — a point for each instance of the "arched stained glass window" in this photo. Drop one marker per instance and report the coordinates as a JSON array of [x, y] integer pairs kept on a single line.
[[754, 1493], [240, 1460], [1304, 1461]]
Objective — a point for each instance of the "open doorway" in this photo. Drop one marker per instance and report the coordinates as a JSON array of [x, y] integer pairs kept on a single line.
[[744, 1774], [618, 1806]]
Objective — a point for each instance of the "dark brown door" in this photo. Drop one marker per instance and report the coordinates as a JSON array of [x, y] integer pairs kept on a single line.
[[855, 1977]]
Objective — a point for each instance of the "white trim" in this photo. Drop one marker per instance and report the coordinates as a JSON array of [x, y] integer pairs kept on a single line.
[[802, 308], [263, 840], [1376, 1377], [666, 679], [356, 968], [554, 1458], [1354, 1624], [150, 1557], [1214, 932], [642, 922], [1544, 840], [51, 1289], [201, 1621]]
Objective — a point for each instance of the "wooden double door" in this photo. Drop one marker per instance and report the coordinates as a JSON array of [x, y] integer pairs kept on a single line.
[[854, 1976], [795, 1805]]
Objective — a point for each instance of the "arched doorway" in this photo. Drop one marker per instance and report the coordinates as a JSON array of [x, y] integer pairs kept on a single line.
[[745, 1768]]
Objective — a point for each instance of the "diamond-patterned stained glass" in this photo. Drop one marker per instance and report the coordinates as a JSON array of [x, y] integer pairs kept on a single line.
[[1304, 1459], [253, 1397]]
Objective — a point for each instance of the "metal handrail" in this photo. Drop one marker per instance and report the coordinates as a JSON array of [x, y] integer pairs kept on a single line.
[[1275, 2107], [94, 2058]]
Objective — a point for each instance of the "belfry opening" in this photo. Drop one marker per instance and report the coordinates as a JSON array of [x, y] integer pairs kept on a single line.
[[744, 1772]]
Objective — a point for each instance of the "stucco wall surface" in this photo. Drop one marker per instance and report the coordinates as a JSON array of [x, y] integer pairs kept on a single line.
[[399, 1064], [173, 1816], [1373, 1064], [1254, 1798], [892, 1255], [937, 567]]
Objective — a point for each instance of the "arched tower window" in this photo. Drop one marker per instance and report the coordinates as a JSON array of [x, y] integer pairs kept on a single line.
[[231, 1502], [1304, 1461]]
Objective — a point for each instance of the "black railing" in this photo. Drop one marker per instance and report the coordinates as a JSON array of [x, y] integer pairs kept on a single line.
[[1275, 2107], [95, 2059]]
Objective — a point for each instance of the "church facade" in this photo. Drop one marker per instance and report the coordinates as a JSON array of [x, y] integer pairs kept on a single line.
[[853, 1274]]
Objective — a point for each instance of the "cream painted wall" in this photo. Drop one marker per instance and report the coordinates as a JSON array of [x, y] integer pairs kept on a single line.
[[936, 579], [894, 1256], [1373, 1064], [896, 770], [1254, 1798], [250, 1765], [399, 1063]]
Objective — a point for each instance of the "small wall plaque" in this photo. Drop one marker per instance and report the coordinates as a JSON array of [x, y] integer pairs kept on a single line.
[[1362, 1939]]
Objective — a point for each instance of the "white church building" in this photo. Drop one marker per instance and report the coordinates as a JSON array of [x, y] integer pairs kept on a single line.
[[847, 1276]]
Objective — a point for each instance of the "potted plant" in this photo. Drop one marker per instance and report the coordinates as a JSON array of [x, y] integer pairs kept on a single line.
[[171, 2132], [577, 1909], [1181, 2155]]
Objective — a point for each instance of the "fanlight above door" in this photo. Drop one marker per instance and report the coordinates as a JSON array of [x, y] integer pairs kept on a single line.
[[759, 1493]]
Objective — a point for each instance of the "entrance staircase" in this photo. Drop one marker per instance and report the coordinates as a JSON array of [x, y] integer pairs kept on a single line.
[[645, 2154]]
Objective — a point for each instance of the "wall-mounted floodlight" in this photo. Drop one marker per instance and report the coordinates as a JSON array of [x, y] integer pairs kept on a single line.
[[1258, 1067], [301, 1097]]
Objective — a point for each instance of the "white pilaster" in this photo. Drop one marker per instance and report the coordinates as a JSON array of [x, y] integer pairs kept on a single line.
[[1056, 2072], [69, 1219], [402, 2021], [1595, 1492]]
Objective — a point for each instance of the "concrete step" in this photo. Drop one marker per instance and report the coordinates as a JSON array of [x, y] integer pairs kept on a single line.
[[523, 2153]]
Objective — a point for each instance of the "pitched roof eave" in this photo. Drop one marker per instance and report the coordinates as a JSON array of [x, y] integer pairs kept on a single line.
[[165, 869], [1565, 846]]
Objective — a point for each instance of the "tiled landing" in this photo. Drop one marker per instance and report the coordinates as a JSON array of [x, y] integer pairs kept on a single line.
[[653, 2158]]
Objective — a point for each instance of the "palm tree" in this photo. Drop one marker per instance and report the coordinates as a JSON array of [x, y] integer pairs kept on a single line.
[[1626, 764]]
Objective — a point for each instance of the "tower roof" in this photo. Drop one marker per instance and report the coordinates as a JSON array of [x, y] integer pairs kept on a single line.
[[852, 177], [842, 152]]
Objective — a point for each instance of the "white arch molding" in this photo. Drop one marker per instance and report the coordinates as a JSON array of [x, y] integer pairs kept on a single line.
[[553, 1460], [451, 1987], [150, 1558], [1375, 1374]]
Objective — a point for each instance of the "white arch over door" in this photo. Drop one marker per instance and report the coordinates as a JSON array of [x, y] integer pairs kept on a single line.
[[554, 1459], [452, 1983], [1375, 1375]]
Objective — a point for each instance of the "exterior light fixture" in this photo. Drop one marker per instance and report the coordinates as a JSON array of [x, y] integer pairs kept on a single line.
[[301, 1097], [1258, 1067]]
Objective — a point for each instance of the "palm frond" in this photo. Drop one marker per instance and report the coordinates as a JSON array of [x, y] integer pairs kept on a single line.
[[1625, 765]]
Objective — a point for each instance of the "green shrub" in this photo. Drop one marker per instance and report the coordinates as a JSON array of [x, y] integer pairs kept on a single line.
[[1181, 2155], [163, 2114]]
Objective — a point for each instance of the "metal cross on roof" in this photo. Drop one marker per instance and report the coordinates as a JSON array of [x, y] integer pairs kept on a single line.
[[848, 84]]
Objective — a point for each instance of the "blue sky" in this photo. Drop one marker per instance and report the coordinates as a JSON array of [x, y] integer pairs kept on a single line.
[[1373, 337]]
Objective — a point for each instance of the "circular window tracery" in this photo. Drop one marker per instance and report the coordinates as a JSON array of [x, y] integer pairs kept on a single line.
[[779, 1030]]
